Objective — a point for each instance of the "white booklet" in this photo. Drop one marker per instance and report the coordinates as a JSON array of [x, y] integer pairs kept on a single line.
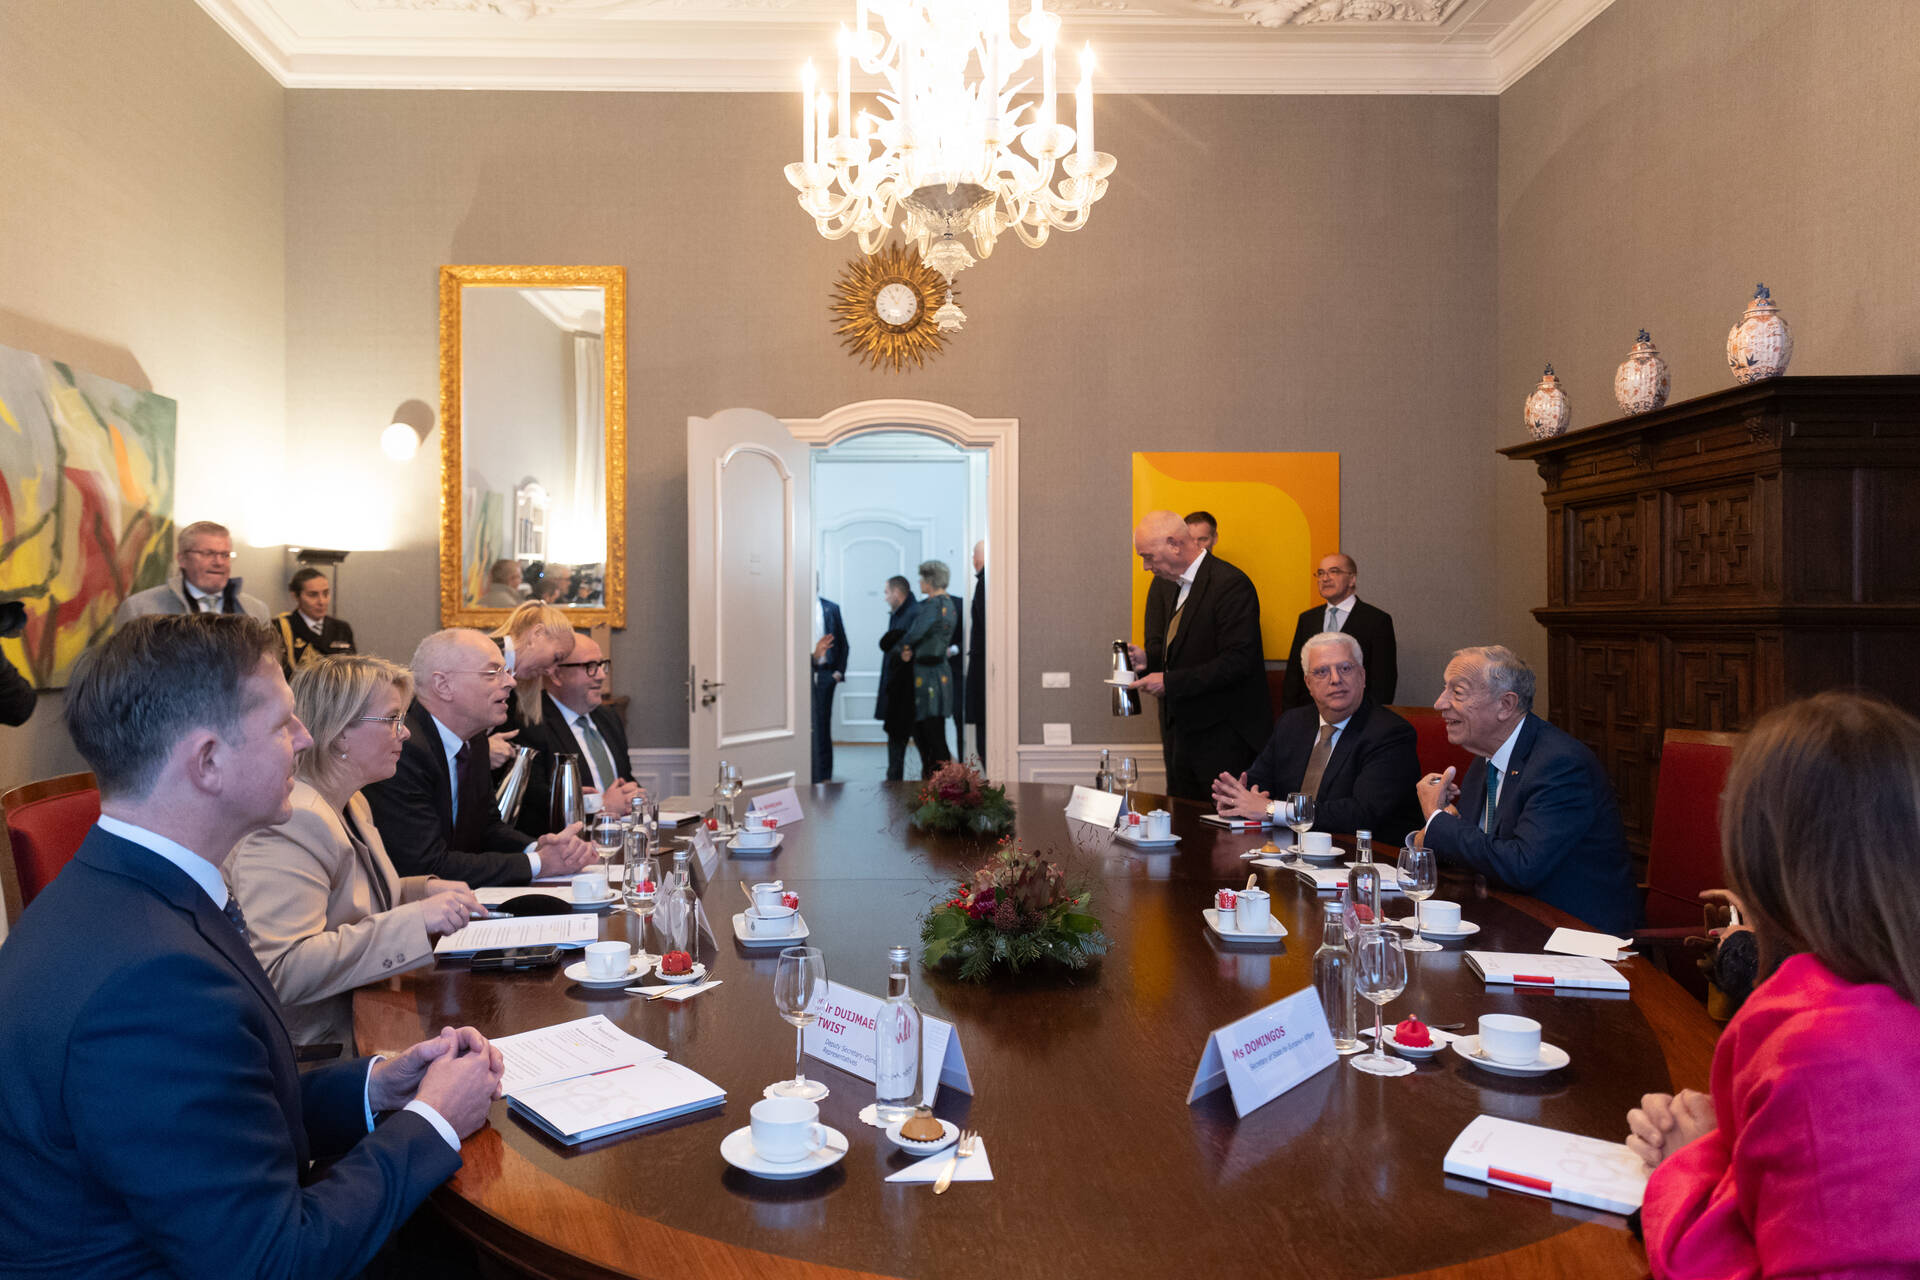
[[1547, 1162], [521, 931], [1528, 969], [615, 1099], [1235, 824], [568, 1049], [1333, 879]]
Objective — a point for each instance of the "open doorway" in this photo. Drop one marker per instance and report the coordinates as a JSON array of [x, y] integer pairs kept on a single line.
[[884, 503]]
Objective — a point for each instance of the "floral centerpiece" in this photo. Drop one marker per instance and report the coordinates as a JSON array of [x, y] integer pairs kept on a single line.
[[958, 801], [1016, 910]]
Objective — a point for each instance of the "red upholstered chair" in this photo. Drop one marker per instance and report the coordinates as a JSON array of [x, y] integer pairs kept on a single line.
[[46, 821], [1436, 753], [1683, 854]]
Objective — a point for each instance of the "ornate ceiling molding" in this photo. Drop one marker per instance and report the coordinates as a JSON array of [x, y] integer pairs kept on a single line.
[[754, 46]]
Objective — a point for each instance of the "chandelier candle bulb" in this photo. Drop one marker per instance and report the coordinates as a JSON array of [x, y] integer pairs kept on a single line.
[[1049, 113], [806, 113], [846, 84]]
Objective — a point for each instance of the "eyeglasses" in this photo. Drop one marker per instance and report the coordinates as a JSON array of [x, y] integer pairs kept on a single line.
[[593, 668], [211, 555], [1345, 669], [493, 672], [1332, 573], [393, 723]]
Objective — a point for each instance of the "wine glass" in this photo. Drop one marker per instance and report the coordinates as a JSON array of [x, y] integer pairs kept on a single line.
[[1419, 876], [608, 841], [1300, 818], [1379, 974], [730, 788], [642, 888], [1128, 776], [798, 978]]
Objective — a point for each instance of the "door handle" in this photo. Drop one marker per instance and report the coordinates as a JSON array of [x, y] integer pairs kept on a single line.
[[712, 684], [707, 695]]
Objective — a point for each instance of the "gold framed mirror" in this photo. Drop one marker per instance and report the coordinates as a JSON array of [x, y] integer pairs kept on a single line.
[[533, 442]]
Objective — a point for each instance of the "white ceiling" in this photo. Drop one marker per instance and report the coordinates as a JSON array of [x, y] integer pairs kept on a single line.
[[1145, 46]]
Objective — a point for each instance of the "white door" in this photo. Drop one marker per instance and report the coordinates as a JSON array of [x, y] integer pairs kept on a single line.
[[749, 602], [857, 556]]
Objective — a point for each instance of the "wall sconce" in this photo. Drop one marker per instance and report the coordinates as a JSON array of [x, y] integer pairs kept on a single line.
[[412, 424]]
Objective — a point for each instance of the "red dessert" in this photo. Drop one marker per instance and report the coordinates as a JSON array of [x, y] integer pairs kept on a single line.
[[790, 900], [676, 962], [713, 824], [1413, 1033]]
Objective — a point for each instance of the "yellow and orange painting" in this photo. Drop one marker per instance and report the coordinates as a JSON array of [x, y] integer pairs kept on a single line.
[[1279, 513], [86, 505]]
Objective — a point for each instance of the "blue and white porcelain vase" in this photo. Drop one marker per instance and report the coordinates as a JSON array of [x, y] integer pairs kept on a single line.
[[1642, 382], [1548, 410], [1761, 344]]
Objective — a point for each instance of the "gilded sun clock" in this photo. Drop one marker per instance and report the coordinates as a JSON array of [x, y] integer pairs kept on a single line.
[[885, 303]]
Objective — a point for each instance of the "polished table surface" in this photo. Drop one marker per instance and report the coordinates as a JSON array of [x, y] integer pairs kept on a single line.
[[1101, 1167]]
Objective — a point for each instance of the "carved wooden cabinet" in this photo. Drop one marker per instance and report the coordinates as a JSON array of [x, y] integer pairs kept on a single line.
[[1713, 558]]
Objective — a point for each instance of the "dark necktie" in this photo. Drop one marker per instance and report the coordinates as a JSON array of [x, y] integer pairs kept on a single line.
[[193, 603], [233, 913], [1493, 798], [461, 759]]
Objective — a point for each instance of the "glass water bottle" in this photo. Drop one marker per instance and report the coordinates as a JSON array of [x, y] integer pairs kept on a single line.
[[1363, 889], [896, 1088], [1333, 979], [1363, 846], [1103, 776], [679, 909]]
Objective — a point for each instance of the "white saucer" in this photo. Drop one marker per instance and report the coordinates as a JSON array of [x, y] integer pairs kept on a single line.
[[636, 968], [1551, 1058], [1221, 922], [947, 1134], [746, 939], [1466, 930], [699, 971], [1145, 842], [611, 898], [737, 1150], [1416, 1052], [739, 850], [1327, 859]]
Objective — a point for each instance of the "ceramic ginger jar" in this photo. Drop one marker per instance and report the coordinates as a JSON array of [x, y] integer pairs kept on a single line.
[[1548, 410], [1761, 344], [1642, 382]]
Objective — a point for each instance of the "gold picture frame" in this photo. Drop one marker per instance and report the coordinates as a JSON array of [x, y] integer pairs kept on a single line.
[[454, 609]]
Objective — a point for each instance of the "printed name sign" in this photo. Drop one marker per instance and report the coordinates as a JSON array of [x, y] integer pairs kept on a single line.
[[783, 806], [1265, 1054], [843, 1035], [1088, 805]]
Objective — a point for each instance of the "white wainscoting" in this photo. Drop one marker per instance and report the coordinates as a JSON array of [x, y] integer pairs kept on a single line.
[[1079, 762], [663, 771]]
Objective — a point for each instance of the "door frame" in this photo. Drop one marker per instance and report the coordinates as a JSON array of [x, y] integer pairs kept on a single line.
[[1000, 438]]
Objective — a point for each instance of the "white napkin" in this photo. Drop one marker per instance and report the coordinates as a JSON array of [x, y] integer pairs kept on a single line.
[[671, 991], [1268, 862], [974, 1168], [1579, 942]]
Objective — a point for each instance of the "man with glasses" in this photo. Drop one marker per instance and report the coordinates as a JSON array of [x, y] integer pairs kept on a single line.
[[1338, 581], [436, 814], [204, 582], [1358, 761], [574, 722]]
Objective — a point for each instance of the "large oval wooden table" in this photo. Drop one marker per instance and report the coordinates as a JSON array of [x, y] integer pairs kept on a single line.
[[1101, 1167]]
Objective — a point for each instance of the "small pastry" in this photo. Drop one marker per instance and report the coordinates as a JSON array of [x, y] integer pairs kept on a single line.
[[922, 1127], [1413, 1033], [1269, 847], [676, 962]]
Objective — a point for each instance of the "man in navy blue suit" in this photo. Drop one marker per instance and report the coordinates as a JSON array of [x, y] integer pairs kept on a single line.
[[1534, 813], [829, 669], [152, 1120]]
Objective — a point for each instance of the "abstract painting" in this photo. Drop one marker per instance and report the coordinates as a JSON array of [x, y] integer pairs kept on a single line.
[[1279, 513], [86, 505]]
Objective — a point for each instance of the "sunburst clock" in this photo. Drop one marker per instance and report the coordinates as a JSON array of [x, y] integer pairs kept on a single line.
[[886, 304]]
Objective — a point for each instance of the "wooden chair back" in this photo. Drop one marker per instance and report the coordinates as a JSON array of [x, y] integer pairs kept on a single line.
[[46, 821]]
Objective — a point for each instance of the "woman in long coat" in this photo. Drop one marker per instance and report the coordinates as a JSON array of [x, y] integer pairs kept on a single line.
[[924, 648]]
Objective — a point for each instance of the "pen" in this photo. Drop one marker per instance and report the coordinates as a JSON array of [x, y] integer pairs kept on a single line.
[[490, 915]]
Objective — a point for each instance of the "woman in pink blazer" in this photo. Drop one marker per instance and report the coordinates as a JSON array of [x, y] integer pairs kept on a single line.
[[1803, 1161]]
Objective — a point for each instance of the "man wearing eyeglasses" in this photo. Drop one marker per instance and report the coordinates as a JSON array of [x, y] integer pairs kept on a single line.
[[1338, 581], [574, 721], [1358, 761], [204, 582]]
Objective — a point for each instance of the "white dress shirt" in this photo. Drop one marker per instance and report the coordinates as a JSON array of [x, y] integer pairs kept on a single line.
[[1186, 579], [451, 742], [207, 876], [210, 601], [1341, 608]]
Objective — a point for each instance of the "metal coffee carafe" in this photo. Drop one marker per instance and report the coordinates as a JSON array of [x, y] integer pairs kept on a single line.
[[1125, 702], [568, 804], [513, 787]]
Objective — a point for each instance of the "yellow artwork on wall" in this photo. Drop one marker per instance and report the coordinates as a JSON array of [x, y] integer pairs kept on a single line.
[[1279, 513]]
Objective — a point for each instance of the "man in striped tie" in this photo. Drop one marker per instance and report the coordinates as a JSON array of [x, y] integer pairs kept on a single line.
[[573, 722]]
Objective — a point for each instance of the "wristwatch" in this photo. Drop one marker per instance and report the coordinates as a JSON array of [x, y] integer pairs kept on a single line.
[[1273, 810]]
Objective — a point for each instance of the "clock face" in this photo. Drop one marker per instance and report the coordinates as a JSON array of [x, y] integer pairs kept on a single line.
[[897, 304]]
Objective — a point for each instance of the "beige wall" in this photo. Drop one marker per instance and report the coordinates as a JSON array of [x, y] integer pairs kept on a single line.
[[1659, 164], [142, 237], [1266, 273]]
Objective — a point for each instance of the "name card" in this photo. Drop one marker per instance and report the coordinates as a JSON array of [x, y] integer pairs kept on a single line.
[[1099, 807], [1265, 1054], [844, 1037], [706, 854], [783, 806]]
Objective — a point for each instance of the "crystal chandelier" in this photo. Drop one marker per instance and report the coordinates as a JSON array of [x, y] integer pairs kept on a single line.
[[956, 156]]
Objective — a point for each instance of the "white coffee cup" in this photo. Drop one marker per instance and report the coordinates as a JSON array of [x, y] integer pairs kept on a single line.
[[776, 922], [1510, 1038], [590, 886], [1317, 842], [608, 959], [1441, 917], [1251, 912], [1159, 824], [785, 1130], [766, 894]]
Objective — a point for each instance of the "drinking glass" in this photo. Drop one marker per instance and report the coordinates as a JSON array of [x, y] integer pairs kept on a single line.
[[608, 841], [729, 790], [642, 888], [1419, 875], [1300, 818], [1127, 775], [1379, 974], [800, 975]]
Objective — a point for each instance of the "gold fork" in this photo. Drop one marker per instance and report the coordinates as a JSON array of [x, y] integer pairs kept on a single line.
[[968, 1138]]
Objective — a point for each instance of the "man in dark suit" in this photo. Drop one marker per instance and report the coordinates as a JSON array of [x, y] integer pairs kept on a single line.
[[975, 688], [436, 814], [829, 669], [893, 702], [152, 1120], [1535, 812], [572, 694], [1202, 658], [1358, 761], [1339, 578], [307, 631]]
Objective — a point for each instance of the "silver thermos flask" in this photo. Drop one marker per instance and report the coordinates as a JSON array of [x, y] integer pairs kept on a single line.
[[513, 787], [568, 804], [1125, 702]]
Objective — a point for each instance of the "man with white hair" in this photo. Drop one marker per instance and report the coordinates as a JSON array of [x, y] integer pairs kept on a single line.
[[1535, 812], [202, 582], [1358, 761], [436, 813]]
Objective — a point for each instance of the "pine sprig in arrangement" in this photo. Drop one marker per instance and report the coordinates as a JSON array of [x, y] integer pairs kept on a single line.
[[957, 800], [1015, 911]]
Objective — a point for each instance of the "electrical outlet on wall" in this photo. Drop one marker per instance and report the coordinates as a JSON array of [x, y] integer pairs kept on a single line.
[[1056, 679]]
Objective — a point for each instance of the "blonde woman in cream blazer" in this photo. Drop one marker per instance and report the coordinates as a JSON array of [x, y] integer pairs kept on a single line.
[[325, 910]]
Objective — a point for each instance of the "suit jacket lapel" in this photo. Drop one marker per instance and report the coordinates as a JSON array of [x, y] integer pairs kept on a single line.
[[1516, 763], [1189, 611], [426, 732], [1344, 748], [1473, 791], [565, 739]]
